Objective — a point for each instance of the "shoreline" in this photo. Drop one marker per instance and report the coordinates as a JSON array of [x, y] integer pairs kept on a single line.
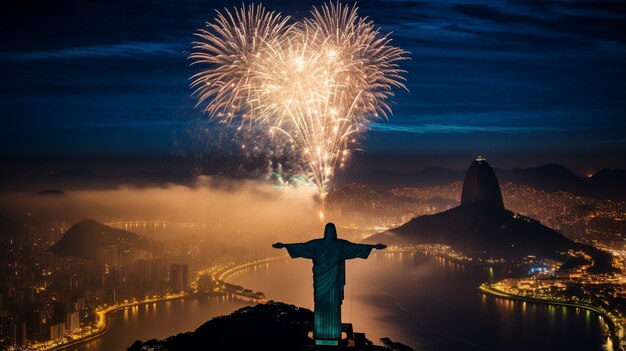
[[613, 334], [224, 274], [103, 317], [613, 326], [486, 289]]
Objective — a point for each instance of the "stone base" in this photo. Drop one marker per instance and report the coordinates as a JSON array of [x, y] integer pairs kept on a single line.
[[323, 342], [349, 341]]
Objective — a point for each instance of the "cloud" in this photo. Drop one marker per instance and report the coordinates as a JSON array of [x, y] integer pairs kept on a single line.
[[586, 25], [130, 50], [121, 124], [610, 7], [228, 209], [488, 13], [611, 141], [457, 129]]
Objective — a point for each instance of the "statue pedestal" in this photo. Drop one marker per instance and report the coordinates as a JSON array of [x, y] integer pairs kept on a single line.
[[350, 341]]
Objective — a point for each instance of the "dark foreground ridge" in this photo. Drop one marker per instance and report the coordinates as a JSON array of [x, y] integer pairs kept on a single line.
[[273, 326]]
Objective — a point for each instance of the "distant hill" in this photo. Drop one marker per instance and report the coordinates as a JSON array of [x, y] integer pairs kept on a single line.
[[481, 184], [604, 184], [51, 192], [482, 227], [548, 177], [83, 238], [273, 326]]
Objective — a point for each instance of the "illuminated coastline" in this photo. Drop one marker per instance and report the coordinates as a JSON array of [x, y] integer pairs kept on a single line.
[[102, 323], [227, 272], [614, 319], [218, 273], [616, 331], [221, 273]]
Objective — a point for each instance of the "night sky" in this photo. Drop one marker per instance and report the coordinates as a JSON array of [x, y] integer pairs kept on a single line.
[[522, 82]]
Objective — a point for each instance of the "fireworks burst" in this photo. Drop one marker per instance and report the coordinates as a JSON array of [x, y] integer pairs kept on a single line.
[[316, 83]]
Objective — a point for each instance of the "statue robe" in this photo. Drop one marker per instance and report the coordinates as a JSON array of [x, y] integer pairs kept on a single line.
[[329, 278]]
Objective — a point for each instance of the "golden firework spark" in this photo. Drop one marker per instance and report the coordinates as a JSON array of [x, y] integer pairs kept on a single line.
[[317, 82]]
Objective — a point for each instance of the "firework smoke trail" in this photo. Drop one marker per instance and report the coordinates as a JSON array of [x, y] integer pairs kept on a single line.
[[316, 83]]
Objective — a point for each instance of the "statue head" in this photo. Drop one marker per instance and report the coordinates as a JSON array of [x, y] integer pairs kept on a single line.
[[330, 233]]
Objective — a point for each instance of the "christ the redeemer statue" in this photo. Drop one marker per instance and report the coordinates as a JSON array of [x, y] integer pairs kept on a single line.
[[329, 277]]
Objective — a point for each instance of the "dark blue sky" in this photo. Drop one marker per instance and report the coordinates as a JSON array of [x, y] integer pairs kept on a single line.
[[524, 82]]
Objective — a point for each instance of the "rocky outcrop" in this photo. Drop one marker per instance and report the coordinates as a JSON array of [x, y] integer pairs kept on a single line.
[[481, 184], [83, 239]]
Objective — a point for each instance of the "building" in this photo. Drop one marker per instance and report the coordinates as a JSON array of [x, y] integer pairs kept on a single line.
[[206, 284], [72, 321], [57, 331], [17, 334], [179, 277]]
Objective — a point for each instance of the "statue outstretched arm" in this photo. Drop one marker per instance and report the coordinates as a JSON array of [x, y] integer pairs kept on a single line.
[[304, 250], [360, 250]]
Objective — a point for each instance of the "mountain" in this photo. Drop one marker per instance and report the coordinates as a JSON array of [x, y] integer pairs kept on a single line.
[[610, 177], [83, 238], [481, 184], [51, 192], [609, 183], [273, 326], [604, 184], [482, 227], [549, 177]]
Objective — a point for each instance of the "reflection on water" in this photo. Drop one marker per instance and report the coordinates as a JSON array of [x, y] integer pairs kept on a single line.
[[433, 304], [158, 320]]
